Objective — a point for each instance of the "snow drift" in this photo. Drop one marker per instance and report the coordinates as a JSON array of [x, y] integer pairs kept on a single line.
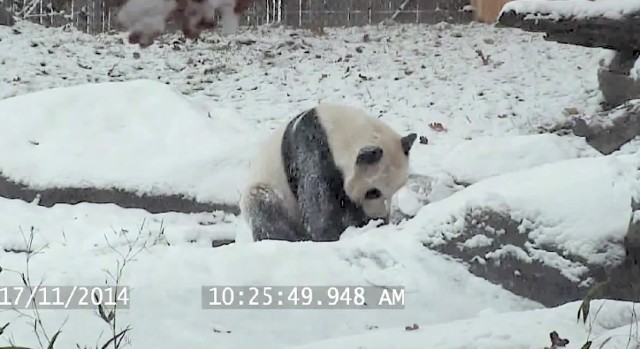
[[139, 136]]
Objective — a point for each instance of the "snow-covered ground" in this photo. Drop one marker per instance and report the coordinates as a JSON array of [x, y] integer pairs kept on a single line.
[[194, 136]]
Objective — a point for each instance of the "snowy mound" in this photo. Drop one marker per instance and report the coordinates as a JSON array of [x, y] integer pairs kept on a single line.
[[471, 161], [561, 221], [171, 270], [611, 328], [138, 136], [485, 157]]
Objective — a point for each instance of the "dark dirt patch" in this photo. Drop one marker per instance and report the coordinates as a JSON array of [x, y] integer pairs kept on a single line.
[[152, 203]]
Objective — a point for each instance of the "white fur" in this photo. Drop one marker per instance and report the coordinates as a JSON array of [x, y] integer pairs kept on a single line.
[[267, 168], [348, 130], [146, 15], [149, 15], [230, 20]]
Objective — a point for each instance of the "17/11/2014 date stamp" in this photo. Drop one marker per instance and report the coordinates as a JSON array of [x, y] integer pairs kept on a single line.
[[63, 297], [302, 297]]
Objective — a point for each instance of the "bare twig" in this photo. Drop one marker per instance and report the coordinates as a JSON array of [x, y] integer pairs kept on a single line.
[[118, 338], [400, 9]]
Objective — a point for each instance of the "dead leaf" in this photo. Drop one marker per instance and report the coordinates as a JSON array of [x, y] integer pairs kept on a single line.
[[438, 127], [571, 111], [556, 341], [412, 327], [486, 59]]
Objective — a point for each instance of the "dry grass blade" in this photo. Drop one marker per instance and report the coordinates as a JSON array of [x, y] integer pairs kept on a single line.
[[604, 342], [116, 339], [586, 302], [4, 328], [53, 340], [102, 314], [586, 345]]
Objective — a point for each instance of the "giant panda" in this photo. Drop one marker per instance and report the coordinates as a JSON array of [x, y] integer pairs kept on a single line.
[[328, 168]]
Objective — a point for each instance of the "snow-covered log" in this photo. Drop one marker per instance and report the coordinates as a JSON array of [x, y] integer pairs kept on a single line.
[[607, 24]]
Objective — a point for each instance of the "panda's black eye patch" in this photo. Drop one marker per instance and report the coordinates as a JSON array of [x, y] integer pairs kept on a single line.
[[372, 194]]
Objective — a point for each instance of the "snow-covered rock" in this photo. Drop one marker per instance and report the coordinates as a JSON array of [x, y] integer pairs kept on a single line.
[[557, 224], [618, 78], [608, 131]]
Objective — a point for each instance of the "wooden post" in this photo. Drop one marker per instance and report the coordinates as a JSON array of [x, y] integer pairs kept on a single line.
[[487, 11]]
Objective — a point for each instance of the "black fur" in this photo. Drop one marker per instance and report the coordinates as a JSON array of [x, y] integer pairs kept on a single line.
[[270, 220], [369, 155], [407, 142], [316, 181]]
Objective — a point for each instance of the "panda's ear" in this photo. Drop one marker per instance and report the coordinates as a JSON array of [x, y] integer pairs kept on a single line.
[[369, 155], [407, 142]]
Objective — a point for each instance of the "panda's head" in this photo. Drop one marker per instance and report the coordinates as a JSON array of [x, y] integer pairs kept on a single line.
[[379, 171]]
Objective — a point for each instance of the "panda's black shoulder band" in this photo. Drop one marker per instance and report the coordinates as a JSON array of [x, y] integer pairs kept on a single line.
[[306, 121]]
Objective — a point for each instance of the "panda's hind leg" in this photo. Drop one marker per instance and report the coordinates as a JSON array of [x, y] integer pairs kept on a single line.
[[268, 217]]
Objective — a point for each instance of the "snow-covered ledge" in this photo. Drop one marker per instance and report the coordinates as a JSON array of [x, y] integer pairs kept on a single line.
[[574, 9], [578, 22]]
